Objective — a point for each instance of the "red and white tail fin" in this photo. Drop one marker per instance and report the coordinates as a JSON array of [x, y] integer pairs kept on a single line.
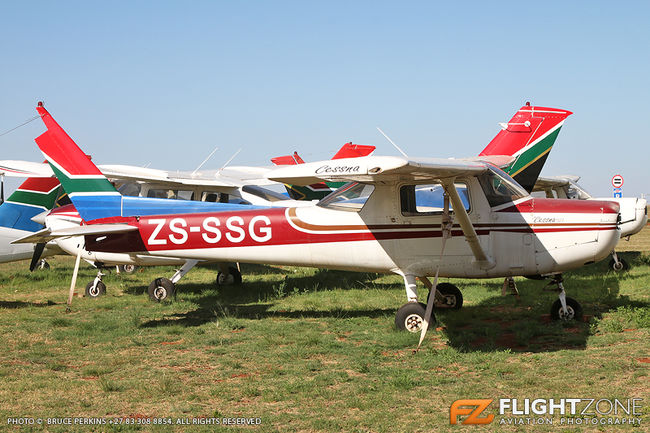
[[528, 137], [288, 159], [350, 150]]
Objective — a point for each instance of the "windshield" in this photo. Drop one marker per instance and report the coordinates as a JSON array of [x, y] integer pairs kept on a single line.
[[499, 188], [350, 197], [576, 192]]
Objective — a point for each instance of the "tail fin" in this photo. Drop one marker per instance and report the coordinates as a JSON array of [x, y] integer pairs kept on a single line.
[[318, 191], [32, 197], [350, 150], [529, 137], [288, 159], [91, 193]]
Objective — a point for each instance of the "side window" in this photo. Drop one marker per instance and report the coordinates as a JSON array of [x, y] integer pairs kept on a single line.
[[171, 194], [131, 189], [428, 199]]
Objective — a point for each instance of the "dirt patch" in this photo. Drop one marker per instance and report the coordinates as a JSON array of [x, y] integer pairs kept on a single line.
[[644, 360]]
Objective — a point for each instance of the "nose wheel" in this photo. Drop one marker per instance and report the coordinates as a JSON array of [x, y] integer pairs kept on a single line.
[[96, 287], [573, 310], [410, 317], [565, 308]]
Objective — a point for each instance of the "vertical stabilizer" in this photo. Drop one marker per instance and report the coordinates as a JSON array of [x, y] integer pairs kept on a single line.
[[529, 137], [89, 190]]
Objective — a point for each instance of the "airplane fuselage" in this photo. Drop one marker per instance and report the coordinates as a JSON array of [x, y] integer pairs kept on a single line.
[[532, 236]]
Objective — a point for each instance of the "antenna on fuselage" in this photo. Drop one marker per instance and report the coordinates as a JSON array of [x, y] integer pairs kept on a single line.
[[204, 161], [392, 142]]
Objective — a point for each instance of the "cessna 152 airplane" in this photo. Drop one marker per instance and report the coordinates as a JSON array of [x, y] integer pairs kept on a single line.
[[634, 211], [396, 215]]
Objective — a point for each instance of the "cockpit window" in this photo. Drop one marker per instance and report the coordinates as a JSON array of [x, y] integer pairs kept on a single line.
[[428, 199], [499, 188], [576, 192], [350, 197]]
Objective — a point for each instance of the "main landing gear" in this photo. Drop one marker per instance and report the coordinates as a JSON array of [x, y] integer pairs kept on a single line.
[[564, 308], [162, 289], [228, 275], [410, 316]]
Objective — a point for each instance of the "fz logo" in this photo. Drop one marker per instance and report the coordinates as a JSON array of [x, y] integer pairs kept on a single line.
[[472, 408]]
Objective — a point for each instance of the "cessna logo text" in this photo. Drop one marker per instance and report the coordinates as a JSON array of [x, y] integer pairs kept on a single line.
[[337, 169], [234, 229]]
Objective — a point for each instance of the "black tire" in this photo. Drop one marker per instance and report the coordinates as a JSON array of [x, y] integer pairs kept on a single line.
[[622, 266], [233, 277], [574, 308], [97, 291], [452, 294], [128, 269], [410, 317], [161, 289]]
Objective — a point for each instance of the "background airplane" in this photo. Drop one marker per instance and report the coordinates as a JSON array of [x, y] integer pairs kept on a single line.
[[634, 211]]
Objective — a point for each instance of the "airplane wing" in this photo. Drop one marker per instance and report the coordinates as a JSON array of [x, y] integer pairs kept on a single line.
[[15, 168], [46, 234], [379, 169], [374, 169], [226, 180], [554, 182]]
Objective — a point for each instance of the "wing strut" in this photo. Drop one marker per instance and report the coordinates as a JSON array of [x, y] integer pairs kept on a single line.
[[447, 225], [484, 261], [73, 283]]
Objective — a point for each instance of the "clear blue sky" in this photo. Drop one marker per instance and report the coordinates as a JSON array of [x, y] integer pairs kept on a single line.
[[164, 82]]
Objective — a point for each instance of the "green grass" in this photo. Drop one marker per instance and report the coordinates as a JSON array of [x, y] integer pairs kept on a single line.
[[311, 350]]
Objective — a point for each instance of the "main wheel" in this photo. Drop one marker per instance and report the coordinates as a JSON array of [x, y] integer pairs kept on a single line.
[[232, 277], [43, 264], [453, 296], [128, 269], [621, 266], [161, 289], [410, 317], [574, 310], [97, 291]]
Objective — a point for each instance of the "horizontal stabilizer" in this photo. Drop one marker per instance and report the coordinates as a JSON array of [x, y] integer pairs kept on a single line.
[[47, 234], [13, 168]]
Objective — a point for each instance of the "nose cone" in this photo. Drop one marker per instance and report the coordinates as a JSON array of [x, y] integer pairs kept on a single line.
[[40, 218]]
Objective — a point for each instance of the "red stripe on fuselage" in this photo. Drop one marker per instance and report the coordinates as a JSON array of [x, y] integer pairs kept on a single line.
[[271, 227], [557, 206]]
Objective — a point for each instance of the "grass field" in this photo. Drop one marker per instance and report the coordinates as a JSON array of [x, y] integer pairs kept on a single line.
[[311, 350]]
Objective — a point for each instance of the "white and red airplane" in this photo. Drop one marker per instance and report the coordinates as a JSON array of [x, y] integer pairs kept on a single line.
[[413, 217], [634, 211]]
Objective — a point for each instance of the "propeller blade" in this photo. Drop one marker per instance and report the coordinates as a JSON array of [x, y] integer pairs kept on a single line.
[[38, 252]]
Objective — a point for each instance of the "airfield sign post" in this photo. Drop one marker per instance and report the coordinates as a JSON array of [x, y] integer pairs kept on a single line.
[[617, 183]]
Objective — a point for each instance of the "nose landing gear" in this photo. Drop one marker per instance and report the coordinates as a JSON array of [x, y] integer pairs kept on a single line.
[[564, 308]]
